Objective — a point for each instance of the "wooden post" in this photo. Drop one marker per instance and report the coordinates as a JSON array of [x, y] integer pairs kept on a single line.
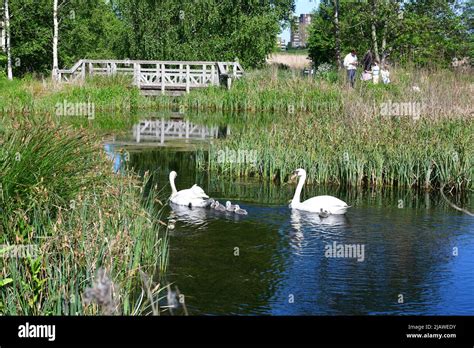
[[136, 74], [138, 133], [163, 78], [114, 69], [213, 73], [204, 73], [91, 69], [158, 74], [187, 128], [187, 78], [83, 71]]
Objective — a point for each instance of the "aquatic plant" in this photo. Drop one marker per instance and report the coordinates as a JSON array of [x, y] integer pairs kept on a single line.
[[62, 198]]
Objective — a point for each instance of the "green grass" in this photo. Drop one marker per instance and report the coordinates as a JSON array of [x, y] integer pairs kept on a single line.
[[59, 194], [380, 153], [114, 101], [340, 136]]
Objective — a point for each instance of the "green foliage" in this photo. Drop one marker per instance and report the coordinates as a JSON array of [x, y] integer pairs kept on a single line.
[[62, 197], [424, 32], [88, 29], [166, 29], [39, 174], [321, 121], [203, 30], [113, 100]]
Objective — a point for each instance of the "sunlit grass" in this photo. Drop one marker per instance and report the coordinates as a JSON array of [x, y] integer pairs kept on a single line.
[[60, 194]]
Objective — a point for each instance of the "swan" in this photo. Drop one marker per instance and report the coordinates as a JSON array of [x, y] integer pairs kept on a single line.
[[192, 197], [219, 207], [240, 211], [229, 206], [328, 204], [323, 213]]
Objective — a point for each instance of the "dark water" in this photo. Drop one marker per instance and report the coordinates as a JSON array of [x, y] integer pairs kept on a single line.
[[274, 261]]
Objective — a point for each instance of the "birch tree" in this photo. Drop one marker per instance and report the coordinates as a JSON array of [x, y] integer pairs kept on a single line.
[[373, 20], [56, 7], [8, 41], [337, 34], [55, 40]]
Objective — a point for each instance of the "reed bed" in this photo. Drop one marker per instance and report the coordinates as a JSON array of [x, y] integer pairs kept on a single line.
[[344, 137], [96, 237], [397, 153], [441, 93]]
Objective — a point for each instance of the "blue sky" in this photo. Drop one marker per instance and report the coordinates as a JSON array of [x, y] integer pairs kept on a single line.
[[302, 6]]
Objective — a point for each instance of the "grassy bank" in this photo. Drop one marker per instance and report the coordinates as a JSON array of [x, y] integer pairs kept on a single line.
[[100, 105], [415, 132], [346, 137], [92, 240]]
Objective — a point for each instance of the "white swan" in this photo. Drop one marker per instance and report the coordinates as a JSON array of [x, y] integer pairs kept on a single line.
[[192, 197], [229, 206], [239, 210], [329, 204], [219, 207]]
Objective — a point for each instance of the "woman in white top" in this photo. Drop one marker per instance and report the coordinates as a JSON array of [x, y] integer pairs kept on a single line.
[[385, 75]]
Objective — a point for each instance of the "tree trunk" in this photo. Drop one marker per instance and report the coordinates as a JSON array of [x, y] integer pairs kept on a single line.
[[374, 30], [55, 41], [384, 43], [7, 39], [337, 34]]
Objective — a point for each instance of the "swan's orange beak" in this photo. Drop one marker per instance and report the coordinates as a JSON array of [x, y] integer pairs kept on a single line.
[[294, 176]]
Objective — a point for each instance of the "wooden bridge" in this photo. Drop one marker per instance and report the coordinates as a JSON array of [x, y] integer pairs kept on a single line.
[[158, 77], [159, 130]]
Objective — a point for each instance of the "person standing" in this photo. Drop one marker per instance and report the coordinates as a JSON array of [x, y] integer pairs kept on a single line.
[[376, 72], [350, 63], [385, 73], [368, 60]]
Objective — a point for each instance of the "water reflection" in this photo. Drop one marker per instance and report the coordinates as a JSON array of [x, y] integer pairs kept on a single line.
[[311, 220], [193, 216], [153, 130], [116, 156]]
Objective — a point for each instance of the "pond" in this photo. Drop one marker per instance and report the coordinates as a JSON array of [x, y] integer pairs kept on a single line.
[[394, 252]]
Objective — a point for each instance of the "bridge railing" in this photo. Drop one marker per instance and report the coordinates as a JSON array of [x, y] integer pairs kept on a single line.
[[161, 75]]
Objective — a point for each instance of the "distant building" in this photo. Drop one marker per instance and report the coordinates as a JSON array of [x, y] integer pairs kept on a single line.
[[300, 31]]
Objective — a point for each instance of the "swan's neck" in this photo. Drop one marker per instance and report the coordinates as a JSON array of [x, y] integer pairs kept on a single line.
[[173, 186], [296, 197]]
